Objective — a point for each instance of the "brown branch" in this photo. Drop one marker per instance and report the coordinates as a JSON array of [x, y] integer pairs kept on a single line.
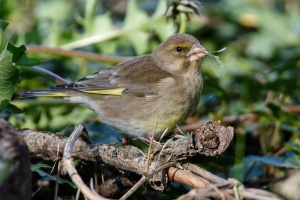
[[211, 140], [76, 54], [180, 176], [49, 146], [203, 173], [291, 109]]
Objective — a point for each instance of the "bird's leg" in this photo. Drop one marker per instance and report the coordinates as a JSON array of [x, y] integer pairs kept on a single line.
[[124, 139]]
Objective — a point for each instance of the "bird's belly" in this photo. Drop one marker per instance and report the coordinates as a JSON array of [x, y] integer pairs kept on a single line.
[[139, 117], [174, 113]]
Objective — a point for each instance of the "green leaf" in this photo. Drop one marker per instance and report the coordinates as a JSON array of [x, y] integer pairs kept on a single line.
[[3, 25], [293, 146], [19, 56], [4, 104], [163, 28], [161, 25], [10, 107], [9, 75], [249, 170], [135, 20], [139, 41], [3, 40], [16, 51], [38, 169], [103, 24], [40, 165], [50, 177], [25, 61], [290, 160]]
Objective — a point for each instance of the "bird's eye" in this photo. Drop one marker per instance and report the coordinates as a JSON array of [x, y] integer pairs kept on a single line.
[[178, 49]]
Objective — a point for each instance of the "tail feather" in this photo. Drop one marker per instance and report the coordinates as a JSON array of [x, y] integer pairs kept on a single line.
[[44, 93]]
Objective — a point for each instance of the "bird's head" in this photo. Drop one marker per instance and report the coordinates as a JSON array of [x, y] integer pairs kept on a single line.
[[179, 53]]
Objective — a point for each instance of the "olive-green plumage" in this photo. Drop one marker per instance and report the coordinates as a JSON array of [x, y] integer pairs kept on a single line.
[[163, 86]]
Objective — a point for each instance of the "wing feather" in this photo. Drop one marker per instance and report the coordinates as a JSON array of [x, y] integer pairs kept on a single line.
[[137, 77]]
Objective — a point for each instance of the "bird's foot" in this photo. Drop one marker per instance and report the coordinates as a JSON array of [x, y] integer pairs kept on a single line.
[[125, 139]]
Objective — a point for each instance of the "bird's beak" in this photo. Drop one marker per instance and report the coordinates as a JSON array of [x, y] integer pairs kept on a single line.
[[197, 52]]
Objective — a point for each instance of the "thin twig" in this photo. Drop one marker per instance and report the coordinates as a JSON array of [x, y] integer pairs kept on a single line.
[[46, 73], [77, 194], [253, 193], [92, 186], [150, 146], [162, 167], [68, 166], [183, 19], [134, 188], [203, 173], [102, 174], [42, 184], [77, 54], [144, 179], [216, 189], [56, 188]]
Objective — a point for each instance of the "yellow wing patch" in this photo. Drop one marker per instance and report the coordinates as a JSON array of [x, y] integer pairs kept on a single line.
[[116, 91], [57, 94]]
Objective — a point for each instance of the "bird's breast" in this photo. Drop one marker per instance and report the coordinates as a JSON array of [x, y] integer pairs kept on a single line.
[[178, 99]]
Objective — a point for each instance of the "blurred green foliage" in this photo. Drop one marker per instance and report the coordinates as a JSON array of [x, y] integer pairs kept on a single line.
[[260, 74]]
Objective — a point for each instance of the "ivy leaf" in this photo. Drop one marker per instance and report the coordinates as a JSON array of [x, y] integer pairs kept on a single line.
[[49, 177], [10, 56], [9, 75], [3, 25], [102, 25], [134, 21], [3, 40], [40, 165], [5, 105], [290, 160], [19, 56], [16, 51], [26, 61]]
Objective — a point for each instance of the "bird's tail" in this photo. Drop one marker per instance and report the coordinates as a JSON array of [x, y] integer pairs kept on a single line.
[[44, 93]]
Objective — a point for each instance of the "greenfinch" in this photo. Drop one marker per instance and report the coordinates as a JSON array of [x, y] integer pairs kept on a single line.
[[149, 93]]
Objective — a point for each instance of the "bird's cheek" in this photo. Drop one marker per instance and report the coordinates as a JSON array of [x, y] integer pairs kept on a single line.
[[176, 66], [180, 64]]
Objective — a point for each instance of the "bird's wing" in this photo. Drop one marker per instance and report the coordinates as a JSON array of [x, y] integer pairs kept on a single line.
[[137, 77]]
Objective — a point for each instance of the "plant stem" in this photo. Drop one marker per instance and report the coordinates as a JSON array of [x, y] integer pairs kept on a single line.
[[239, 155], [46, 73], [76, 53], [183, 20], [89, 16], [107, 36]]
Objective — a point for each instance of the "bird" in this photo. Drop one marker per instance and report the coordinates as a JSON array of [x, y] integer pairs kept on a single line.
[[144, 97]]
